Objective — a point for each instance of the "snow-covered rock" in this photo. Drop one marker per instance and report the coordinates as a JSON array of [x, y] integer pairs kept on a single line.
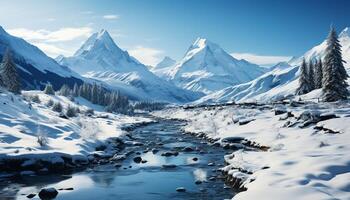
[[207, 68], [100, 58]]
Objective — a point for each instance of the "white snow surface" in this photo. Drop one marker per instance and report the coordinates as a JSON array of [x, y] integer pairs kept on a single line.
[[279, 83], [302, 163], [20, 126], [100, 58], [207, 68]]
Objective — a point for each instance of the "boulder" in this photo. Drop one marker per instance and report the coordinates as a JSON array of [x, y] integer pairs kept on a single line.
[[48, 193]]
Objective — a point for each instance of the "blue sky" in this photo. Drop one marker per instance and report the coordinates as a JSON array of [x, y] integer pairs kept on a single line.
[[263, 31]]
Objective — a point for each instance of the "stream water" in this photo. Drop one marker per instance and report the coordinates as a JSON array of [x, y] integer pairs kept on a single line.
[[194, 168]]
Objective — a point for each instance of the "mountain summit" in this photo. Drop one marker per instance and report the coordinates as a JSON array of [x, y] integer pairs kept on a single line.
[[206, 68], [100, 58]]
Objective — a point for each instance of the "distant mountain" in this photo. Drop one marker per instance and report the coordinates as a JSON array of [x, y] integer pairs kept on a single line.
[[282, 81], [35, 68], [166, 62], [100, 58], [207, 68]]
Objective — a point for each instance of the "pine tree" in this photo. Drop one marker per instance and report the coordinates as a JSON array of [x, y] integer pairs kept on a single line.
[[9, 75], [76, 90], [334, 85], [318, 74], [65, 90], [311, 75], [304, 82], [94, 94], [49, 89]]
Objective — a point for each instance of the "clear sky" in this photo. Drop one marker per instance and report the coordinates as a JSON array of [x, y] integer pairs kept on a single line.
[[264, 31]]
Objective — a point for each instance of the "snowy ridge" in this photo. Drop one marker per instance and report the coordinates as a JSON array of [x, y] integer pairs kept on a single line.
[[100, 58], [32, 55], [207, 68], [282, 81]]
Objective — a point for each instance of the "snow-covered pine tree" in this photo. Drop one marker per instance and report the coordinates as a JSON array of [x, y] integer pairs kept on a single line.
[[311, 74], [304, 82], [75, 90], [65, 90], [49, 89], [9, 75], [94, 94], [334, 85], [318, 74]]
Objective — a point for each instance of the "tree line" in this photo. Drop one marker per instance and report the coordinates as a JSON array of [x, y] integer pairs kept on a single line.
[[329, 74]]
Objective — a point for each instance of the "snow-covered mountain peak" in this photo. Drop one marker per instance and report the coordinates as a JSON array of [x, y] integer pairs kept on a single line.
[[99, 40], [166, 62]]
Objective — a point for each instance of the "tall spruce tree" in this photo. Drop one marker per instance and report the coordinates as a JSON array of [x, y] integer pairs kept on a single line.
[[318, 74], [9, 75], [311, 74], [334, 83], [304, 81]]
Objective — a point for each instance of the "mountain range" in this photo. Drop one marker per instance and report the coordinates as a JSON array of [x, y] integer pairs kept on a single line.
[[205, 74], [282, 81]]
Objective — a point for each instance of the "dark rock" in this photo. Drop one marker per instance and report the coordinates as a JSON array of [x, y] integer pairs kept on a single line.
[[212, 178], [169, 166], [181, 189], [48, 193], [327, 116], [154, 151], [188, 149], [117, 165], [143, 161], [195, 159], [198, 182], [245, 121], [29, 196], [137, 159], [170, 153], [232, 139]]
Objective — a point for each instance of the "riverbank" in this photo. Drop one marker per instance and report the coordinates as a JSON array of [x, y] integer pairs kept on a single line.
[[35, 139], [308, 145]]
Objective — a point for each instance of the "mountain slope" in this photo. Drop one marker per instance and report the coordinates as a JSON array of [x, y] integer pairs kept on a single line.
[[207, 68], [35, 68], [282, 81], [100, 58]]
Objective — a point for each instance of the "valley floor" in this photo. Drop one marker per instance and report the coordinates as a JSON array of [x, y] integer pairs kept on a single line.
[[309, 145]]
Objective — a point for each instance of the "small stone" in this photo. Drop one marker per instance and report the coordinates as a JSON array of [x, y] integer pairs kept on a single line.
[[198, 182], [154, 151], [117, 165], [212, 178], [48, 193], [138, 153], [195, 159], [180, 189], [187, 149], [137, 159], [143, 161], [29, 196], [169, 166]]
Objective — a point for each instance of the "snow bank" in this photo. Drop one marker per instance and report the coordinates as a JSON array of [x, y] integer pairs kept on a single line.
[[21, 121], [301, 163]]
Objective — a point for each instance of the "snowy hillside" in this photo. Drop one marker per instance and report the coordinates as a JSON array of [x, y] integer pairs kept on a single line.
[[35, 67], [282, 81], [100, 58], [162, 68], [207, 68], [23, 121]]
